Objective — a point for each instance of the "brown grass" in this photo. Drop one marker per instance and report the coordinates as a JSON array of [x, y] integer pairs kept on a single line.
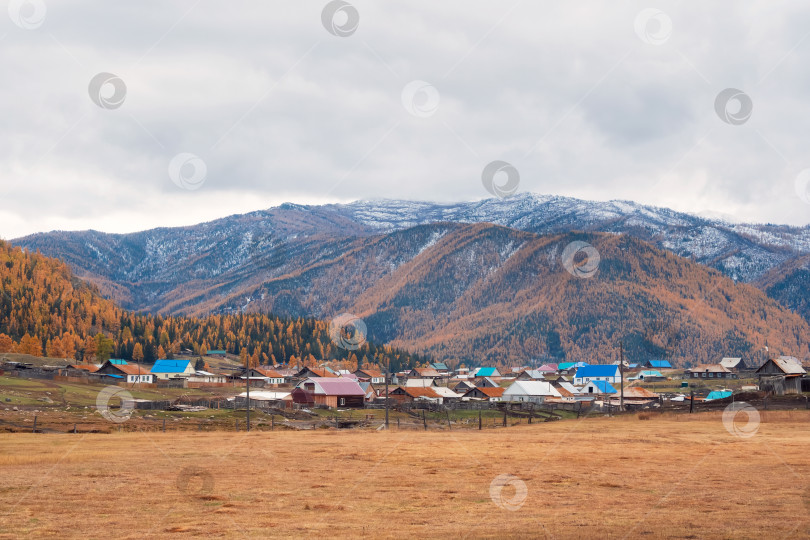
[[666, 477]]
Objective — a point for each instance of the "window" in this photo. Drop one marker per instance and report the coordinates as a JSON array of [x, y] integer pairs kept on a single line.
[[343, 401]]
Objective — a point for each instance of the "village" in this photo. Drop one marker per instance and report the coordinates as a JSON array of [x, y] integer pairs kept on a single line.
[[434, 395]]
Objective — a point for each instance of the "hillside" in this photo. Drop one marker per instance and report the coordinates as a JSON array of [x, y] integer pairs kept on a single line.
[[192, 269], [497, 295], [44, 309]]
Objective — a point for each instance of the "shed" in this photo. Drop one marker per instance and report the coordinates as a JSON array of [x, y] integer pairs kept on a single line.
[[334, 391], [530, 391]]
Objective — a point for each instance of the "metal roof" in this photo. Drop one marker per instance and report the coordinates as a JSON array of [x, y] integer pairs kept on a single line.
[[603, 387], [599, 370], [334, 386], [531, 388], [170, 366], [660, 363]]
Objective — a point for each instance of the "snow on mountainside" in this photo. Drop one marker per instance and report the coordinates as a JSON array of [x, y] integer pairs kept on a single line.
[[190, 269], [745, 252]]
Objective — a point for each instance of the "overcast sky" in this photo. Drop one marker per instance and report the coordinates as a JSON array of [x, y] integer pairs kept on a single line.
[[280, 102]]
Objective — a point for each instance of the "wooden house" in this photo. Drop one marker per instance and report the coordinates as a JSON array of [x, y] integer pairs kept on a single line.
[[781, 375], [333, 391]]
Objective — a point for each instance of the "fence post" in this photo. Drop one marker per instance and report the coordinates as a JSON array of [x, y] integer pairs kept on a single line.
[[397, 422], [164, 425], [691, 401], [424, 419], [237, 424], [504, 418], [448, 420], [479, 420], [34, 430], [272, 422]]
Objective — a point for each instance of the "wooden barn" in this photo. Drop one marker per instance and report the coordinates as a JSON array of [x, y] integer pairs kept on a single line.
[[331, 392], [781, 376]]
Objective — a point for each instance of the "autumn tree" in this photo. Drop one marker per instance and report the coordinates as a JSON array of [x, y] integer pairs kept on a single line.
[[137, 353]]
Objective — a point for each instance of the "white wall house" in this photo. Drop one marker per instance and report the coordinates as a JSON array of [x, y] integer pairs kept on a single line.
[[601, 372], [530, 391]]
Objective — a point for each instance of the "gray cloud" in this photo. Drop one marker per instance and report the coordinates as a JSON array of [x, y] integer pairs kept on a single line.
[[279, 109]]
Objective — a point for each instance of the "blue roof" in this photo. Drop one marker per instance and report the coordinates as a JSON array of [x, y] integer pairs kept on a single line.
[[485, 372], [600, 370], [170, 366], [604, 387], [116, 376], [118, 362], [565, 365], [718, 394], [439, 365], [649, 373], [660, 363], [632, 365]]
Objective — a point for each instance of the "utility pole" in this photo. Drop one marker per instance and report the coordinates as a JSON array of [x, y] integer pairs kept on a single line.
[[621, 374], [387, 371], [247, 383]]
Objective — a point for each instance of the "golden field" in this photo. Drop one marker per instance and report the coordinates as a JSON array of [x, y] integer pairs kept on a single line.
[[628, 477]]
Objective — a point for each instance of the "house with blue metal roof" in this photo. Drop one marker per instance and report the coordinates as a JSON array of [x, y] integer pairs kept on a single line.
[[170, 369], [658, 364], [599, 372], [487, 372], [598, 387]]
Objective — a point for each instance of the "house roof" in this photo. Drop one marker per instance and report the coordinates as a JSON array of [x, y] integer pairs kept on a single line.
[[718, 394], [269, 373], [730, 362], [418, 392], [320, 372], [660, 363], [217, 351], [531, 388], [649, 373], [372, 373], [709, 368], [597, 370], [788, 364], [117, 361], [636, 392], [533, 373], [488, 391], [547, 367], [85, 367], [565, 387], [485, 372], [129, 369], [439, 366], [170, 366], [426, 372], [335, 386], [603, 387], [413, 382], [445, 392]]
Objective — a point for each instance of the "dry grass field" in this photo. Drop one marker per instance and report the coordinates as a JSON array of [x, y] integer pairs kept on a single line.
[[665, 477]]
